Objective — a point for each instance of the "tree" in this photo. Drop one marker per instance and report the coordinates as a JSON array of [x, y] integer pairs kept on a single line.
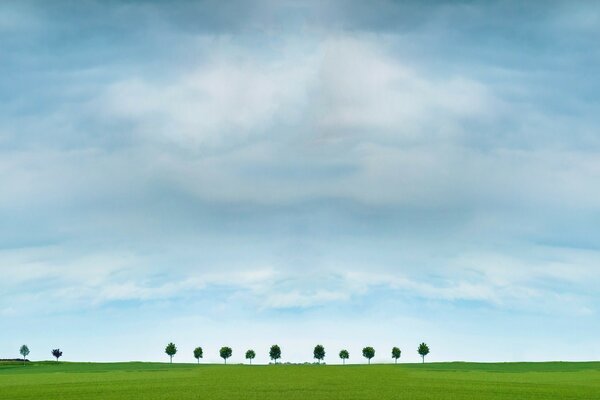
[[198, 353], [57, 354], [319, 353], [368, 353], [225, 353], [250, 354], [396, 354], [423, 350], [275, 353], [171, 350], [344, 355], [24, 350]]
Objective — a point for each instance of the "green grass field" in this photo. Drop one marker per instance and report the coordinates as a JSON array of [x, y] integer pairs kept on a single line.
[[47, 380]]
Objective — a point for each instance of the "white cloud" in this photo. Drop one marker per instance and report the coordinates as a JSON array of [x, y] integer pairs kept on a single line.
[[228, 128], [221, 102], [365, 92], [552, 281], [339, 86]]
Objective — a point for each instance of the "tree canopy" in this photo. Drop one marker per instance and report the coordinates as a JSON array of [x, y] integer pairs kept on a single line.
[[423, 350], [171, 350], [396, 354], [368, 353], [275, 353], [56, 353], [225, 353], [319, 352], [344, 355], [24, 351], [198, 353], [250, 354]]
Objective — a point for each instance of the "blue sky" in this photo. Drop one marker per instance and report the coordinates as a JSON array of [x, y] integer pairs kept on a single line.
[[337, 172]]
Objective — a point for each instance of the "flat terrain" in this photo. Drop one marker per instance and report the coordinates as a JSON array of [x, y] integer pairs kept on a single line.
[[148, 381]]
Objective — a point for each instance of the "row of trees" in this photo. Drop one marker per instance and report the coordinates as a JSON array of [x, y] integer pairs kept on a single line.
[[24, 351], [318, 353], [274, 353]]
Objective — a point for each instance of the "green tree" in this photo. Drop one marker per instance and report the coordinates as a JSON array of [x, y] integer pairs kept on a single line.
[[319, 353], [171, 350], [423, 350], [198, 354], [275, 353], [368, 353], [396, 354], [344, 355], [225, 353], [56, 353], [250, 354], [24, 350]]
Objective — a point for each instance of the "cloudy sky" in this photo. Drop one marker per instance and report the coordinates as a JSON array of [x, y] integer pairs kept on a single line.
[[300, 172]]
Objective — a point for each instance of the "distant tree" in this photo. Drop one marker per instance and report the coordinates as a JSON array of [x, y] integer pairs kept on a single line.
[[396, 354], [344, 355], [250, 354], [319, 353], [56, 353], [275, 353], [171, 350], [225, 353], [368, 353], [423, 350], [198, 353], [24, 350]]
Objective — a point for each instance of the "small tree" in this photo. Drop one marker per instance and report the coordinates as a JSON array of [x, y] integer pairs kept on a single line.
[[319, 353], [171, 350], [275, 353], [225, 353], [368, 353], [344, 355], [56, 353], [24, 350], [423, 350], [250, 354], [396, 354], [198, 353]]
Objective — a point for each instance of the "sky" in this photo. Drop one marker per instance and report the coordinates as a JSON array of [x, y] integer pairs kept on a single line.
[[344, 173]]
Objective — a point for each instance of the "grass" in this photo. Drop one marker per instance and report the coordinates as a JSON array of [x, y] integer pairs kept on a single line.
[[47, 380]]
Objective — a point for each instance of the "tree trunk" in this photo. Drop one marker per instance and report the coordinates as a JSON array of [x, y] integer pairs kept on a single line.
[[423, 357]]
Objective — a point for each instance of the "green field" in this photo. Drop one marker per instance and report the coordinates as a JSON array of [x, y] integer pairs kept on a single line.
[[49, 381]]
